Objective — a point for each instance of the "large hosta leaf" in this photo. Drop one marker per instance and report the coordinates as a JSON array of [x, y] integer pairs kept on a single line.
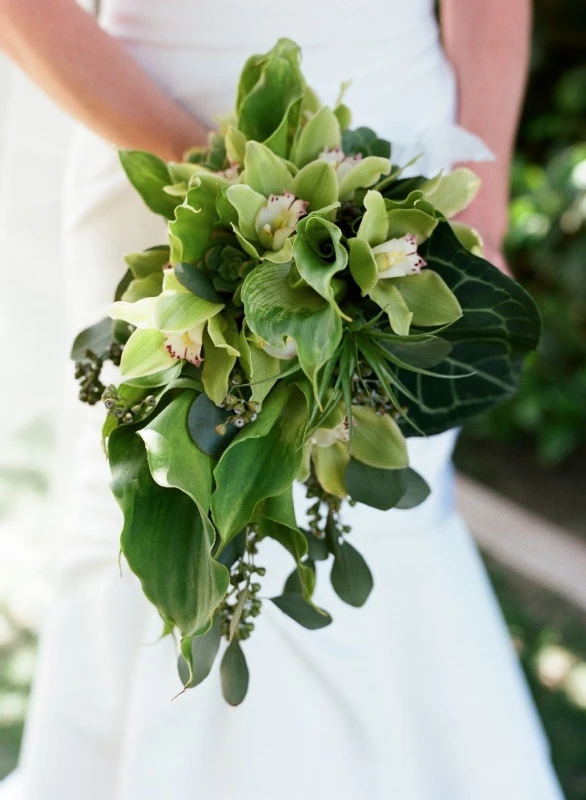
[[499, 326], [261, 462], [275, 310], [164, 539]]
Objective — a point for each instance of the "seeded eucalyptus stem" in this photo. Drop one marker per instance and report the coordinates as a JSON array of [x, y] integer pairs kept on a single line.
[[242, 603]]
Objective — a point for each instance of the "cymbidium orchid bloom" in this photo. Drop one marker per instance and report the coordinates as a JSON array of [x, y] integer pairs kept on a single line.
[[277, 219], [398, 257], [186, 346], [326, 437], [342, 163]]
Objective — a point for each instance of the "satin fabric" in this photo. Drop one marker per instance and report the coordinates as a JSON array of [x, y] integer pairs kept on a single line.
[[418, 695]]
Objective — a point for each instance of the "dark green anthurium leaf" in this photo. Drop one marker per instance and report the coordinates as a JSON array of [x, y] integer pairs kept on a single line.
[[173, 561], [234, 550], [417, 490], [350, 576], [234, 674], [305, 614], [275, 310], [197, 282], [423, 353], [499, 326], [378, 488], [96, 338], [149, 176], [204, 650], [261, 462], [203, 421]]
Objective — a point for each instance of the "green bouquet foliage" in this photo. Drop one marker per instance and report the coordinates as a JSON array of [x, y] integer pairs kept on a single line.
[[311, 310]]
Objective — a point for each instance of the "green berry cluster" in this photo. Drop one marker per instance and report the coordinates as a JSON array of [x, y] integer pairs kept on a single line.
[[88, 370], [242, 411], [242, 604], [368, 391], [116, 406]]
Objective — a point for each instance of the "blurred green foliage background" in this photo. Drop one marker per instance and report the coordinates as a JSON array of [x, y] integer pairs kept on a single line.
[[546, 245]]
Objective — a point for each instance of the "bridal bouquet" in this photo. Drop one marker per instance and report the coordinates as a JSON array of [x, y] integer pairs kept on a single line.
[[310, 310]]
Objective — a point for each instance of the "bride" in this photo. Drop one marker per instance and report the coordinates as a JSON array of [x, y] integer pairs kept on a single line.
[[419, 697]]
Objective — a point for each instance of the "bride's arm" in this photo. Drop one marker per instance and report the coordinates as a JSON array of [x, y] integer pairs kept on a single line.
[[487, 42], [90, 74]]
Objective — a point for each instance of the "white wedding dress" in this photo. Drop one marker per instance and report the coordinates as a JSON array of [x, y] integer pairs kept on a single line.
[[417, 696]]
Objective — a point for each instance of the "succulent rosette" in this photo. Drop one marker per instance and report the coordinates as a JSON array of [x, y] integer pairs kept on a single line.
[[310, 310]]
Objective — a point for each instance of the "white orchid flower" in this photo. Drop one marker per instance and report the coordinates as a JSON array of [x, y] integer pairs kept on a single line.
[[398, 257], [342, 163], [186, 346], [277, 219]]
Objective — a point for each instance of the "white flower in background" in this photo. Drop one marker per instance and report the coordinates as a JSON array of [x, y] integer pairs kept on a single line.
[[342, 163], [186, 346], [326, 437], [276, 221], [398, 257], [284, 352]]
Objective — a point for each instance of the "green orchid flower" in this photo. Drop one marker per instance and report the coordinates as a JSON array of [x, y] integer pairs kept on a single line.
[[169, 329], [375, 440], [387, 267], [354, 172]]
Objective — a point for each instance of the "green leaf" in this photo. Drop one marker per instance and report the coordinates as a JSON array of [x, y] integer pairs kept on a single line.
[[155, 379], [98, 338], [275, 310], [428, 298], [194, 279], [261, 369], [219, 359], [171, 559], [319, 255], [322, 132], [195, 219], [265, 172], [148, 262], [351, 578], [416, 491], [234, 674], [270, 95], [139, 288], [377, 440], [203, 421], [304, 613], [316, 183], [418, 353], [204, 650], [499, 326], [378, 488], [261, 462], [149, 176]]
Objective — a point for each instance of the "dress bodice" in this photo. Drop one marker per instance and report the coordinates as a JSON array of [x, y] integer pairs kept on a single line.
[[390, 50]]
